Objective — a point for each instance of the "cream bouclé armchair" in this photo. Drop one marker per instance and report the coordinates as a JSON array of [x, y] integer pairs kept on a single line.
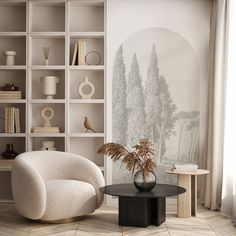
[[52, 185]]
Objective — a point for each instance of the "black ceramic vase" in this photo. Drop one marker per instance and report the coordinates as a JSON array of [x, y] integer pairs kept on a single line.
[[9, 153], [144, 183]]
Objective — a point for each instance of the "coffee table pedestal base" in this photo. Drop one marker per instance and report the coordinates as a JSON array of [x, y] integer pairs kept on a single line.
[[141, 212]]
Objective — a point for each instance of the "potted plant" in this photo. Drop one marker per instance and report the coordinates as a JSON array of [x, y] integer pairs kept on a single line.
[[140, 159]]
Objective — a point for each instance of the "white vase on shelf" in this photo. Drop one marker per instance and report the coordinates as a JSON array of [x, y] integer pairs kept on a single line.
[[49, 86], [10, 57]]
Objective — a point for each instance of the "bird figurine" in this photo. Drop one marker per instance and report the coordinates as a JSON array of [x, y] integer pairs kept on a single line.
[[87, 125]]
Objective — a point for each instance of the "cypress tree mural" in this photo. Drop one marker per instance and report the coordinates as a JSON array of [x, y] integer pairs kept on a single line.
[[156, 95], [119, 112], [135, 104]]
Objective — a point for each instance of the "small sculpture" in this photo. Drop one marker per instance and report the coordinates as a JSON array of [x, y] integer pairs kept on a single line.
[[46, 117], [49, 86], [90, 94], [46, 51], [10, 57], [47, 113], [87, 125]]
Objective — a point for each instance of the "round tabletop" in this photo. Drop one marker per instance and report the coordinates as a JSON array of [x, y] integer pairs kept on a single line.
[[188, 172], [129, 190]]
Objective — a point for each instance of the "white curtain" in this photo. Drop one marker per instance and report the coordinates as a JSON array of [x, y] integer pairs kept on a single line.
[[217, 77], [229, 171]]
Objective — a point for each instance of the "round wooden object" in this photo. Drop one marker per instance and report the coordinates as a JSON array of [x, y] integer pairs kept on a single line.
[[188, 172]]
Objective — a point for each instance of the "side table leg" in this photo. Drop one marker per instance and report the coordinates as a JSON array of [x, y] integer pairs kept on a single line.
[[184, 200], [194, 195]]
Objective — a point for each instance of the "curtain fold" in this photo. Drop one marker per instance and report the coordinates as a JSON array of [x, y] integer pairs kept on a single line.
[[217, 75], [229, 173]]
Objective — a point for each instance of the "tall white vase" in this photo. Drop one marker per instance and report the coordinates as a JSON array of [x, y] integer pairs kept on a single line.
[[49, 86]]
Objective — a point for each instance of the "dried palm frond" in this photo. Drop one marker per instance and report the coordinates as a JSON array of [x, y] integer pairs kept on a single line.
[[141, 158], [131, 162], [148, 166], [114, 150], [144, 149]]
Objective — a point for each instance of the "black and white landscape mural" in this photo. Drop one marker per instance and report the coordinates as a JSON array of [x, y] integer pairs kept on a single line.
[[156, 95]]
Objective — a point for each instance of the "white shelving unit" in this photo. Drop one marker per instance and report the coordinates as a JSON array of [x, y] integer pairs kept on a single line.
[[27, 26]]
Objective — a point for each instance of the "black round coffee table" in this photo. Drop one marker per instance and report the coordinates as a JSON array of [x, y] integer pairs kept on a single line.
[[140, 209]]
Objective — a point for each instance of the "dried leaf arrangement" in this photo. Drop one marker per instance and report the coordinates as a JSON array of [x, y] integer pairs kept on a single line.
[[141, 158]]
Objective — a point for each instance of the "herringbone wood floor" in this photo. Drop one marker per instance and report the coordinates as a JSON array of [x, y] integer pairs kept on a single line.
[[104, 222]]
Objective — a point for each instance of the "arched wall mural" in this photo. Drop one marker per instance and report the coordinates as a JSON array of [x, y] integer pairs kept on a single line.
[[155, 94]]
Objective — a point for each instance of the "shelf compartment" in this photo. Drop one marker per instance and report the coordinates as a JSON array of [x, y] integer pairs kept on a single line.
[[51, 135], [16, 67], [88, 67], [47, 16], [87, 101], [87, 147], [37, 121], [16, 43], [22, 111], [87, 135], [13, 34], [56, 53], [18, 78], [92, 44], [14, 135], [36, 143], [18, 144], [12, 100], [37, 86], [47, 101], [86, 16], [47, 34], [95, 114], [43, 67], [13, 16], [87, 34], [95, 77]]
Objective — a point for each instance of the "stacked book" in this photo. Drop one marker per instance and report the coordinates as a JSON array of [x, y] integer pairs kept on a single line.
[[79, 53], [185, 167], [12, 120], [46, 130], [10, 94]]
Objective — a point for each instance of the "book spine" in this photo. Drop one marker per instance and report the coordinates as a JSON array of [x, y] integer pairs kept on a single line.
[[75, 54], [12, 120], [81, 52], [17, 120], [9, 120], [6, 119]]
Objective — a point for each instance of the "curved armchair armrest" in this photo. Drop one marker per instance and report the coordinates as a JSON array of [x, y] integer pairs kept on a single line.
[[28, 190], [86, 170]]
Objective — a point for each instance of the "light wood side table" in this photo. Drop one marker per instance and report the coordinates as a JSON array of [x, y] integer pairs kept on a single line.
[[187, 202]]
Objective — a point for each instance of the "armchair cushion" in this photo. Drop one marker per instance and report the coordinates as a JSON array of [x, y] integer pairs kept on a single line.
[[68, 197]]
